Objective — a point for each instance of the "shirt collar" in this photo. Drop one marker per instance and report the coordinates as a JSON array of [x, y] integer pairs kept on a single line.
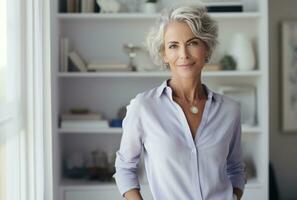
[[164, 85]]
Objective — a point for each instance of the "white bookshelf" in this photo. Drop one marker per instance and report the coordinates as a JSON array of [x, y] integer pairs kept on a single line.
[[245, 130], [100, 37], [141, 16], [70, 184], [161, 74]]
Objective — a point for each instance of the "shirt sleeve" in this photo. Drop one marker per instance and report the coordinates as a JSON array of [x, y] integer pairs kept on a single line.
[[128, 156], [235, 165]]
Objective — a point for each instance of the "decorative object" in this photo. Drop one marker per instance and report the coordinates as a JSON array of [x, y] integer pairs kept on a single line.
[[99, 166], [131, 50], [245, 95], [116, 123], [110, 6], [131, 6], [122, 112], [242, 52], [212, 67], [228, 63], [79, 110], [250, 168], [150, 6], [289, 76], [74, 166]]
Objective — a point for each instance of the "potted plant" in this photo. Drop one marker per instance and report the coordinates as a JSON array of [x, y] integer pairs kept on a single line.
[[150, 6]]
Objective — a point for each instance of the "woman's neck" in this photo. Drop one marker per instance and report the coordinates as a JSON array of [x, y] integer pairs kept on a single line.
[[187, 89]]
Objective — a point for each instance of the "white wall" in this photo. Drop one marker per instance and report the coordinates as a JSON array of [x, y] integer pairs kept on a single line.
[[283, 146]]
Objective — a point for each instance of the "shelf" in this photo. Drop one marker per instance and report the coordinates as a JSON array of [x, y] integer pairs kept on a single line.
[[253, 183], [142, 16], [93, 131], [85, 184], [245, 130], [250, 129], [161, 74]]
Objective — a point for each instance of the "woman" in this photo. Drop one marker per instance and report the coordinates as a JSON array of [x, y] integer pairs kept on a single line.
[[189, 135]]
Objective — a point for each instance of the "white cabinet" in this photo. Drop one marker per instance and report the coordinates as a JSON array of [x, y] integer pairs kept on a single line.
[[100, 37], [97, 192]]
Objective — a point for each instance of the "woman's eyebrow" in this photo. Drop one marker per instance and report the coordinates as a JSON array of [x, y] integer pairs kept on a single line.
[[194, 38], [175, 42], [172, 42]]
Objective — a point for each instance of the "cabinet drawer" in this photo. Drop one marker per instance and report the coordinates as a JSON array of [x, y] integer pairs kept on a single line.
[[101, 194], [92, 194]]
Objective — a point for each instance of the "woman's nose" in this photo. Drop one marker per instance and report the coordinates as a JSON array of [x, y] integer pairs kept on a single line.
[[183, 53]]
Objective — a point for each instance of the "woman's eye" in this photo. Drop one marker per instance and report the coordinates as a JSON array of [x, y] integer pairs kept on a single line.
[[173, 46], [193, 43]]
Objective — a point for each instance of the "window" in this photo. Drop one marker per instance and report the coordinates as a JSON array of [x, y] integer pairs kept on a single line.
[[3, 63]]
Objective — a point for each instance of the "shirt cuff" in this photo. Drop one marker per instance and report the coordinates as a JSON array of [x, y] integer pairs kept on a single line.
[[125, 184], [238, 182]]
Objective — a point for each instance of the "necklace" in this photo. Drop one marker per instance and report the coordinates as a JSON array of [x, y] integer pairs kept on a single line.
[[194, 109]]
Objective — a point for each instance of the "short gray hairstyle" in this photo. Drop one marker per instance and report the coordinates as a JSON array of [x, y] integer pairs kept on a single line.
[[197, 18]]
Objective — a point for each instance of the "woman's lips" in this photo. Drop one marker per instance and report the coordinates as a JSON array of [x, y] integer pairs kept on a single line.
[[186, 65]]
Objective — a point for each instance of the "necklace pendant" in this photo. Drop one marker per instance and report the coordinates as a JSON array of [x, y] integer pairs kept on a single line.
[[194, 109]]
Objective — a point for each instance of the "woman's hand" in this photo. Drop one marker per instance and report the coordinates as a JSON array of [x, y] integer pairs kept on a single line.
[[238, 192]]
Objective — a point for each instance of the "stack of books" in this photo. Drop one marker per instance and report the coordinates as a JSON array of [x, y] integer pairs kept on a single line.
[[83, 121], [110, 67], [224, 6], [79, 6]]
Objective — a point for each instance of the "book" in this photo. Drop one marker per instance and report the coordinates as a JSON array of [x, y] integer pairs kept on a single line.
[[88, 6], [89, 116], [108, 67], [224, 7], [64, 49], [77, 61], [61, 55], [65, 54], [71, 6], [85, 124], [77, 6]]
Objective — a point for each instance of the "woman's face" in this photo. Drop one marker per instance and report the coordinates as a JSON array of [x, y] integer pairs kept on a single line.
[[184, 52]]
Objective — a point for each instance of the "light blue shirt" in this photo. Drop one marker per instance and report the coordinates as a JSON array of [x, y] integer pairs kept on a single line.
[[179, 167]]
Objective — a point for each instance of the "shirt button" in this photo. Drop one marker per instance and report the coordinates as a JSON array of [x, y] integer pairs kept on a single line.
[[194, 151]]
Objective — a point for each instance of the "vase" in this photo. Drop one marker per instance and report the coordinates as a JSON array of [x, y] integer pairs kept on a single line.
[[242, 51], [149, 8]]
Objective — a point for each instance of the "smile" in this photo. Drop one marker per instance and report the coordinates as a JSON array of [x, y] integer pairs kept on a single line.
[[186, 65]]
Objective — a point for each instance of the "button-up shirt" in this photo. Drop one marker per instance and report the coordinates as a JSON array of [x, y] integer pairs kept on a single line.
[[179, 167]]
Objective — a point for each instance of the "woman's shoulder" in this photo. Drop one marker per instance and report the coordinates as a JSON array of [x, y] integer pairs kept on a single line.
[[227, 101], [145, 96]]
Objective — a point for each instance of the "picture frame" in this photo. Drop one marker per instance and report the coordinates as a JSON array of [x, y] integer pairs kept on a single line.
[[245, 95], [289, 76]]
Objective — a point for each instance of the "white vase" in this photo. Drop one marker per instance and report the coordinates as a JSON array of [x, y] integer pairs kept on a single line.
[[242, 51], [249, 6], [149, 8]]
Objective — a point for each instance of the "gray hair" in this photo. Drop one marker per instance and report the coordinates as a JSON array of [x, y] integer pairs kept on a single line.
[[197, 18]]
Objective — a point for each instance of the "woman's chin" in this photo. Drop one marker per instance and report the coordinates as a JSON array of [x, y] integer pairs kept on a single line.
[[187, 74]]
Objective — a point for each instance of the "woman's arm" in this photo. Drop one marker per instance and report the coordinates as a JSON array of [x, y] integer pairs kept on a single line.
[[235, 165], [128, 156], [133, 194]]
